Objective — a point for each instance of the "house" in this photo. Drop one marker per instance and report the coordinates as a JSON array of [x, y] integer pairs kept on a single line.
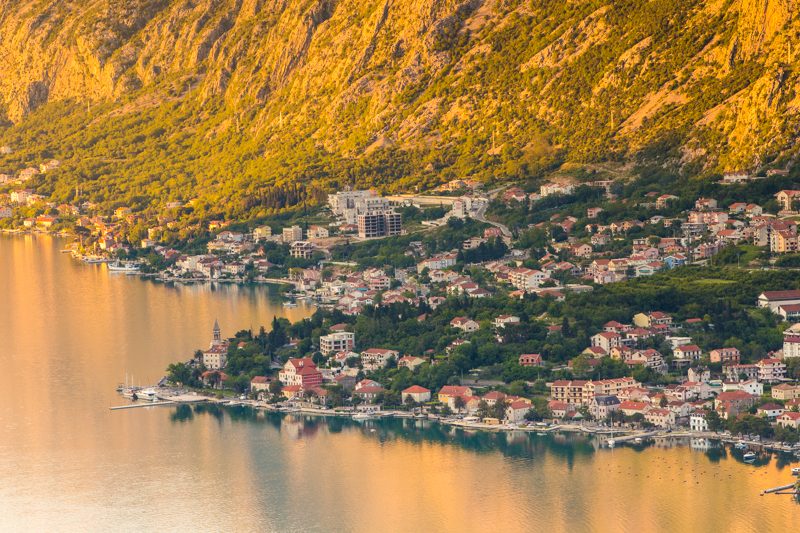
[[602, 406], [786, 391], [448, 394], [731, 403], [687, 352], [726, 356], [514, 194], [339, 341], [46, 221], [675, 260], [259, 383], [740, 372], [786, 199], [318, 232], [292, 392], [630, 407], [771, 370], [737, 208], [516, 411], [652, 319], [789, 419], [530, 359], [774, 299], [581, 250], [302, 249], [416, 393], [664, 200], [558, 409], [376, 358], [438, 262], [791, 342], [607, 340], [705, 204], [502, 320], [770, 410], [369, 393], [662, 418], [214, 378], [698, 421], [465, 324], [300, 371], [699, 374]]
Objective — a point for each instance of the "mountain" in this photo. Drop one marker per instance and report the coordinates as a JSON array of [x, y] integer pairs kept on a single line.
[[145, 100]]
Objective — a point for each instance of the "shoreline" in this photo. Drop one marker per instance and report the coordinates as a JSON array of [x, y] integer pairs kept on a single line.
[[153, 276], [606, 435]]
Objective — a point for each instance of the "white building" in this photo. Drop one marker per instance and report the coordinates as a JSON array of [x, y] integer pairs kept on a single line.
[[527, 278], [341, 341], [555, 188], [774, 299], [791, 342], [350, 204], [438, 262], [771, 370], [698, 422], [376, 358]]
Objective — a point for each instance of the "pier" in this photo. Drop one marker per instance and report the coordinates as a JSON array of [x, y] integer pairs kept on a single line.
[[136, 405], [791, 489]]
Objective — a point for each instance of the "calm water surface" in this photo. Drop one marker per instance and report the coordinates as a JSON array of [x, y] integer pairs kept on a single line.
[[70, 332]]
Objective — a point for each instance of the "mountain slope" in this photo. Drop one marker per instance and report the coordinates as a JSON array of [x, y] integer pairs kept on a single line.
[[226, 97]]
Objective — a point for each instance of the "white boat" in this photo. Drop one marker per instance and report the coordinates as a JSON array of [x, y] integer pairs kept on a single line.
[[148, 395], [638, 440], [740, 446], [749, 457], [611, 443], [126, 267], [289, 304], [363, 416], [796, 471]]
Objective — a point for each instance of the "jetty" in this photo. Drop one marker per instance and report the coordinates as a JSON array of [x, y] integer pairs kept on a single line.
[[790, 489], [137, 405]]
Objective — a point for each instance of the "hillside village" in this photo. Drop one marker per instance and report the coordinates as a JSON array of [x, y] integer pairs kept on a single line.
[[703, 390], [444, 257]]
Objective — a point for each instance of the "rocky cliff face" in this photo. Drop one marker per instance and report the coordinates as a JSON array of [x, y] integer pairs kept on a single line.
[[461, 84]]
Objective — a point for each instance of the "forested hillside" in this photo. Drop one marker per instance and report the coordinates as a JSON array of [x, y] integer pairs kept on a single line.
[[149, 100]]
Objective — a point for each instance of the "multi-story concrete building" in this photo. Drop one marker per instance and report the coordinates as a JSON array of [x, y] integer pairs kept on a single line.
[[379, 224], [341, 341]]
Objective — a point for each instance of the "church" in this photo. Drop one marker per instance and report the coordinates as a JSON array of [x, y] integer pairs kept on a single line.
[[216, 357]]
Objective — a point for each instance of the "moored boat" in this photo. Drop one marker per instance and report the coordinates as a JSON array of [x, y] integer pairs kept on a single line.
[[148, 395], [127, 267], [749, 457]]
